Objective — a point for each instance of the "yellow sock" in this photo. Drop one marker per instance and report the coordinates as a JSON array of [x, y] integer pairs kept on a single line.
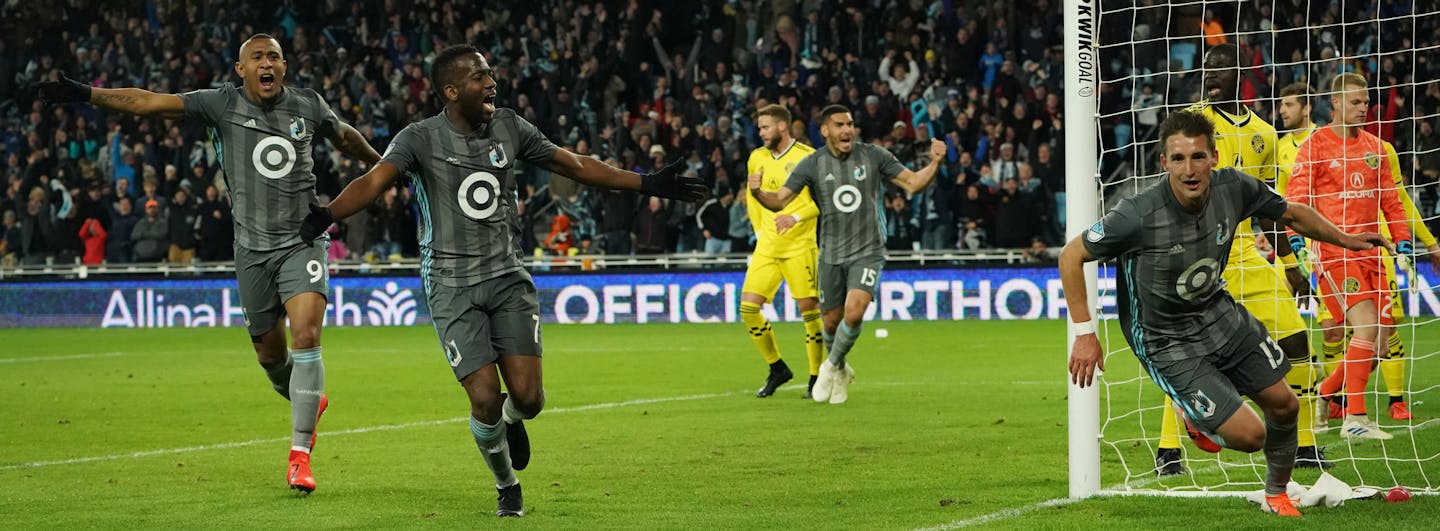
[[760, 331], [1392, 368], [814, 340], [1303, 379], [1169, 426], [1333, 353]]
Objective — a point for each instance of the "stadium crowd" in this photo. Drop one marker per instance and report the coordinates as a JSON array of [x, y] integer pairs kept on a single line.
[[637, 84]]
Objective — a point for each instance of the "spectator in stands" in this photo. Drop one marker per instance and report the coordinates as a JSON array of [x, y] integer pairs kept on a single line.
[[618, 209], [94, 236], [183, 221], [1013, 212], [216, 232], [11, 238], [561, 237], [742, 234], [150, 235], [652, 233], [714, 220], [151, 192], [901, 229], [119, 248], [388, 222]]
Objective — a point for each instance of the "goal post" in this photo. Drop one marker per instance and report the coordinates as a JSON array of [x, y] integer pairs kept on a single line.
[[1082, 208]]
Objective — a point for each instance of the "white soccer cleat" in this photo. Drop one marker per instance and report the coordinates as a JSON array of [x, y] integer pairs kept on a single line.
[[840, 392], [1361, 427], [823, 382]]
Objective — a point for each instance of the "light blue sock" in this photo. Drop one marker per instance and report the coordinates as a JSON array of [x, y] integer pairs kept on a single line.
[[844, 339], [490, 439]]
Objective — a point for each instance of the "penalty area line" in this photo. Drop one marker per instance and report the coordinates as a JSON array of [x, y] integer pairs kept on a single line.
[[1003, 514], [61, 358], [354, 431]]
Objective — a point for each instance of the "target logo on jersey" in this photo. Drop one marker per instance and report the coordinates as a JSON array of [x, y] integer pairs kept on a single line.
[[479, 195], [847, 198], [273, 157]]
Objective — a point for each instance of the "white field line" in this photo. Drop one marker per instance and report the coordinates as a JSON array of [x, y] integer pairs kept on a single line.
[[1122, 489], [62, 358], [369, 429]]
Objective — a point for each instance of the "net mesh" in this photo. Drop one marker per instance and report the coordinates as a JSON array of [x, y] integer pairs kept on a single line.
[[1151, 58]]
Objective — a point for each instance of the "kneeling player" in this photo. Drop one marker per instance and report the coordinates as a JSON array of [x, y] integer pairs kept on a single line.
[[1202, 348]]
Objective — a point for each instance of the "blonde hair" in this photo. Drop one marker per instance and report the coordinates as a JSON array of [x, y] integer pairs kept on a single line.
[[1347, 79]]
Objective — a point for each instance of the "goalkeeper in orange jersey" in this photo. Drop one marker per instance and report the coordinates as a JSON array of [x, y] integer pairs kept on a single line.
[[1338, 170], [785, 249], [1244, 141], [1295, 112]]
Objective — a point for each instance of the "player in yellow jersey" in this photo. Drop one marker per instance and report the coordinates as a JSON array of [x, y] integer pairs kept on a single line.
[[785, 248], [1247, 142], [1295, 101]]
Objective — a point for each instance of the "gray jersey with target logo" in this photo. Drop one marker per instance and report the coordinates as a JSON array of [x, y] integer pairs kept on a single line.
[[465, 186], [850, 192], [1173, 303], [265, 155]]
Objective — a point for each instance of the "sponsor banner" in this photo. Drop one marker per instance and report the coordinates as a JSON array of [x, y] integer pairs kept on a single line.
[[664, 297]]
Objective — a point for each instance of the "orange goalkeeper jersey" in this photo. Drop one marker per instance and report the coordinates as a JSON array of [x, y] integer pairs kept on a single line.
[[1346, 180]]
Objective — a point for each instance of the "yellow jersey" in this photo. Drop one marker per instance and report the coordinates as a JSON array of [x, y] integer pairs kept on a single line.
[[1247, 143], [1285, 155], [775, 170]]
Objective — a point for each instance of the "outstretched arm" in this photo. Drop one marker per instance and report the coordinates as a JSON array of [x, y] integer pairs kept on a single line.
[[915, 181], [363, 191], [1309, 223], [127, 100], [666, 182]]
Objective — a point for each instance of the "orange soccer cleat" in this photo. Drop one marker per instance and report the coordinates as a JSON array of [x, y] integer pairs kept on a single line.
[[324, 403], [299, 474], [1280, 504], [1196, 436], [1400, 411]]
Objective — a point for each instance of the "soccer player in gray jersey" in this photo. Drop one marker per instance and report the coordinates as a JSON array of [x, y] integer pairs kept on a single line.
[[1201, 347], [847, 180], [263, 132], [481, 299]]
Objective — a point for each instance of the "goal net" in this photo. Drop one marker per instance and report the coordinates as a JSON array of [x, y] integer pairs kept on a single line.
[[1129, 65]]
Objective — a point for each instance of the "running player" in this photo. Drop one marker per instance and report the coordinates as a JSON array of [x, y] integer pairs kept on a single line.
[[1203, 349], [263, 132], [785, 249], [1246, 142], [846, 180], [483, 302]]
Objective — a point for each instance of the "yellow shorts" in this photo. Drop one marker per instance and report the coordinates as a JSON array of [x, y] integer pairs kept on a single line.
[[764, 274], [1397, 305], [1261, 288]]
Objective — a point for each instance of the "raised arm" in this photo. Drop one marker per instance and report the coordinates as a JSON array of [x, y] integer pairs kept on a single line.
[[350, 142], [915, 181], [666, 182], [126, 100], [773, 201]]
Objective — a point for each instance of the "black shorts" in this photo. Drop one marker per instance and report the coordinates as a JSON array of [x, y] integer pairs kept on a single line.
[[1210, 389], [477, 324]]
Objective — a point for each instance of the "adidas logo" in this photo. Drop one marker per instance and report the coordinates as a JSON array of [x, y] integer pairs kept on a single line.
[[250, 123], [829, 176], [1177, 249], [452, 160], [1334, 164]]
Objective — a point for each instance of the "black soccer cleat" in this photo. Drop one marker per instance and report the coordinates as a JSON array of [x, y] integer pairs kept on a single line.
[[510, 504], [810, 388], [1311, 457], [519, 442], [779, 374], [1168, 462]]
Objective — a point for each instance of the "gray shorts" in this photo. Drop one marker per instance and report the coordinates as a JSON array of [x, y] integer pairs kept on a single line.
[[269, 278], [836, 280], [477, 324], [1212, 388]]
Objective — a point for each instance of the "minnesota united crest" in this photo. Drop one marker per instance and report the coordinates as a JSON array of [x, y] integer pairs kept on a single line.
[[498, 158], [298, 129], [860, 172]]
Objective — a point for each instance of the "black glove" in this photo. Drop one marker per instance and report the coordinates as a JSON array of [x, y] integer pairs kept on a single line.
[[668, 183], [65, 90], [315, 224]]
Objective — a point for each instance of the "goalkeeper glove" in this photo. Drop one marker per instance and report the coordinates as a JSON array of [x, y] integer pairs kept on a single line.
[[315, 224], [1405, 248], [65, 90], [668, 183], [1302, 255]]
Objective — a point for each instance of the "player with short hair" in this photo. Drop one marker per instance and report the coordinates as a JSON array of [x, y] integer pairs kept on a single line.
[[1246, 142], [846, 180], [1198, 344], [263, 132], [1295, 110], [483, 303], [785, 248], [1339, 170]]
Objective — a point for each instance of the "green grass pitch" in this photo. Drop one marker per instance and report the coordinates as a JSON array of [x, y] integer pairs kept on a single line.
[[950, 424]]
